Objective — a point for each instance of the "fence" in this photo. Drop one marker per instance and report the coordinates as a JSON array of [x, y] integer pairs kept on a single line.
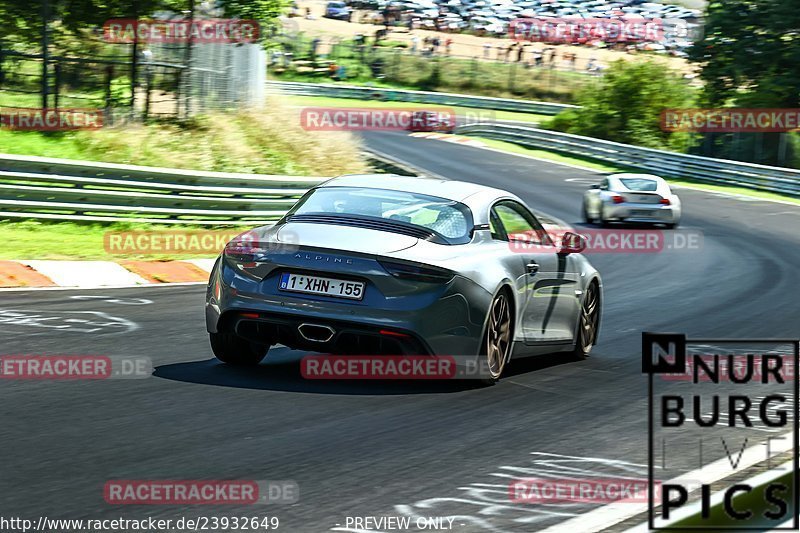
[[427, 97], [219, 76], [668, 164], [46, 188]]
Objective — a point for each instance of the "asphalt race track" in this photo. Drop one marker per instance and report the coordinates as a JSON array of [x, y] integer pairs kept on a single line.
[[375, 449]]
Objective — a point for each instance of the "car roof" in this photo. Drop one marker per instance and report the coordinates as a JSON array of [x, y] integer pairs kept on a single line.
[[443, 188], [478, 198]]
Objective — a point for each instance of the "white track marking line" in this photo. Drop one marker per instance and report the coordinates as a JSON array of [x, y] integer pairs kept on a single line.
[[85, 273], [614, 513], [717, 497], [203, 264]]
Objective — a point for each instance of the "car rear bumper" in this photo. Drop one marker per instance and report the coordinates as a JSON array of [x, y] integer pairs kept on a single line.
[[654, 213], [450, 325]]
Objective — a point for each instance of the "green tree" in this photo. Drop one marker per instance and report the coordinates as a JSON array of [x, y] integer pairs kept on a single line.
[[750, 57], [625, 105], [750, 53]]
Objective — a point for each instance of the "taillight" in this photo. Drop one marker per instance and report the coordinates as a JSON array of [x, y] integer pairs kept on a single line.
[[246, 247], [417, 272], [618, 199], [665, 201]]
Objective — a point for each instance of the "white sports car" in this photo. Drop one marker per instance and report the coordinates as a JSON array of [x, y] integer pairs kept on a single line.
[[632, 198]]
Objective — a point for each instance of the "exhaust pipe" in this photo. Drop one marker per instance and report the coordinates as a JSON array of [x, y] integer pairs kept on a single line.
[[315, 332]]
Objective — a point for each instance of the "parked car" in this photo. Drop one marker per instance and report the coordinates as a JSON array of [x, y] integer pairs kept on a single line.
[[337, 10]]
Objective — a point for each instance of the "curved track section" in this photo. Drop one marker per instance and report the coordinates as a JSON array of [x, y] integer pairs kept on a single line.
[[367, 449]]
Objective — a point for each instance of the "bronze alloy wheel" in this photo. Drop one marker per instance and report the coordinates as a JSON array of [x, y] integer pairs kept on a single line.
[[498, 335], [587, 331]]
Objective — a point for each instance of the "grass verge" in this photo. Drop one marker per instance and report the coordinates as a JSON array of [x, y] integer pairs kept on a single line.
[[269, 141], [30, 239]]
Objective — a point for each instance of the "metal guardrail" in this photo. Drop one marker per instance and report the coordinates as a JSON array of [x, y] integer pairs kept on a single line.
[[38, 187], [668, 164], [425, 97]]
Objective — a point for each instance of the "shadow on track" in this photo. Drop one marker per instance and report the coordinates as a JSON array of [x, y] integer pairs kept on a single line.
[[533, 364], [280, 371]]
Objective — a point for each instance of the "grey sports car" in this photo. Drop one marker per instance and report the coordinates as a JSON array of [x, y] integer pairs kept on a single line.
[[383, 264]]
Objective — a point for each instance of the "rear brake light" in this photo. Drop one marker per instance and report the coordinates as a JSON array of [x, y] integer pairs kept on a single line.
[[665, 201], [618, 199], [393, 333], [417, 273]]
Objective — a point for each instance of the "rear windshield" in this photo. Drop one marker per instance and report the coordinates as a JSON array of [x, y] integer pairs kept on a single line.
[[448, 218], [639, 184]]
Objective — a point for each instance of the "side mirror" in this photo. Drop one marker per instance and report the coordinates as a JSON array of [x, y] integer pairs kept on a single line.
[[595, 186], [572, 243]]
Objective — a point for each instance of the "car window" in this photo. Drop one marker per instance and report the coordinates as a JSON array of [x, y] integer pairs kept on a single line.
[[496, 227], [449, 218], [639, 184], [604, 184], [518, 222]]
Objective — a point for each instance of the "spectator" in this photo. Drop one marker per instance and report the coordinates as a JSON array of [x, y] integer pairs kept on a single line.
[[332, 70], [314, 46], [551, 63], [414, 44], [509, 51], [537, 58], [447, 44], [520, 52], [487, 48]]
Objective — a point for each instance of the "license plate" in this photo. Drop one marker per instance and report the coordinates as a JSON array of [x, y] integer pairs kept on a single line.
[[642, 214], [337, 288]]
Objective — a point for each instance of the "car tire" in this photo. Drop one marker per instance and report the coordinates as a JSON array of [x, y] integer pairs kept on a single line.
[[586, 217], [234, 350], [603, 222], [499, 335], [586, 336]]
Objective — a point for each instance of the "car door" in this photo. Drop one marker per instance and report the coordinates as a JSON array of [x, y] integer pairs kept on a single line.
[[548, 281]]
